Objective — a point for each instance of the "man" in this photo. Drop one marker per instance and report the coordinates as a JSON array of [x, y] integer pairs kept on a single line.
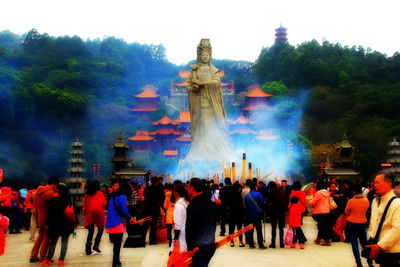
[[41, 202], [200, 224], [154, 200], [389, 239], [254, 206], [226, 196]]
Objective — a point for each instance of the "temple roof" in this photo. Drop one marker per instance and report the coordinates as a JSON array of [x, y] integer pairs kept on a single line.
[[184, 74], [345, 143], [241, 120], [170, 152], [147, 93], [243, 130], [184, 116], [184, 83], [165, 121], [184, 138], [165, 131], [141, 136], [257, 92], [266, 135]]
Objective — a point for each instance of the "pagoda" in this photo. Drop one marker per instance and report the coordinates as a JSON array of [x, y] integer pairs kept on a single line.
[[394, 157], [166, 133], [142, 141], [281, 35], [146, 102], [257, 100], [344, 167], [75, 179], [123, 166]]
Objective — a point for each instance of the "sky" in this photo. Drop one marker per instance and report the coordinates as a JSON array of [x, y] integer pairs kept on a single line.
[[238, 29]]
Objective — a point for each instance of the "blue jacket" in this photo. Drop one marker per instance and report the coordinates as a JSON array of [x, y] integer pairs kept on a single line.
[[251, 208], [113, 217]]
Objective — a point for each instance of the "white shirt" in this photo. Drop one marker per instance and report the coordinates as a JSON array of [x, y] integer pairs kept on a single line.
[[180, 222], [389, 239]]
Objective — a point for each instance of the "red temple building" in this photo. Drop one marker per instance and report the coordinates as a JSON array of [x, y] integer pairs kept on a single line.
[[142, 141], [281, 35], [183, 143], [184, 121], [256, 100], [166, 133], [146, 102]]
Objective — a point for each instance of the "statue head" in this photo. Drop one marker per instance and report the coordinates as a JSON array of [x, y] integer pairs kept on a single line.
[[204, 52]]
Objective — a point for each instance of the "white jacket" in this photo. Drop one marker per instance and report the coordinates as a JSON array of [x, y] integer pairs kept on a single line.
[[180, 222], [389, 239]]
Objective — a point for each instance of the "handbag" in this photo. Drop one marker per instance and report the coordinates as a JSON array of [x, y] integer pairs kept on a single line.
[[289, 236], [70, 214], [332, 203], [366, 251]]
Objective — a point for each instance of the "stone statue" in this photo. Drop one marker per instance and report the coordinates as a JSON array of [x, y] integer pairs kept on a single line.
[[210, 140]]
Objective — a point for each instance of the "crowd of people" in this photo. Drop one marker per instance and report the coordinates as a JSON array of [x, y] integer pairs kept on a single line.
[[191, 212]]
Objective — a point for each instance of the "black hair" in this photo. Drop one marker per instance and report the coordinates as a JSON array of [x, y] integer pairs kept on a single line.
[[124, 189], [357, 189], [321, 185], [92, 187], [181, 190], [196, 184], [296, 186], [228, 181], [388, 176], [53, 180], [63, 193], [272, 186], [248, 182]]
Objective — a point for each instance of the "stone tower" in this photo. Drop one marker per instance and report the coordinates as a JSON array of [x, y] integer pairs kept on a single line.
[[394, 157]]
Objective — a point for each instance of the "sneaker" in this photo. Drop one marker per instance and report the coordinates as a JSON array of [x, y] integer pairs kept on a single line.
[[252, 246], [293, 245], [45, 263], [97, 249], [301, 246], [282, 245], [272, 246], [221, 234], [241, 244], [60, 263], [93, 253]]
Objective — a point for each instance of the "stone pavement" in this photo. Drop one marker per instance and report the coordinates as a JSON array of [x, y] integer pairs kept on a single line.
[[339, 254]]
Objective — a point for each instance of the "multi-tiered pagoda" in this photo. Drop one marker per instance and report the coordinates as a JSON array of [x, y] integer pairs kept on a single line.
[[281, 35], [394, 157], [75, 179]]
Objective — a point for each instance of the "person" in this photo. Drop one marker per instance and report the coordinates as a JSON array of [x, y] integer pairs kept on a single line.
[[254, 206], [277, 206], [116, 211], [388, 243], [297, 207], [321, 214], [226, 196], [180, 215], [200, 224], [169, 203], [41, 202], [59, 225], [95, 204], [4, 221], [236, 214], [210, 140], [154, 199], [286, 189], [355, 211]]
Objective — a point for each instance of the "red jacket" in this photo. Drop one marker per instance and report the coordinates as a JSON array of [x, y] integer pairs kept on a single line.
[[5, 197], [41, 200], [95, 209], [295, 210]]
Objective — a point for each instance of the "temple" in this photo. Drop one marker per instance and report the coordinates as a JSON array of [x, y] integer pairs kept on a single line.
[[394, 157], [281, 35], [146, 102], [257, 100]]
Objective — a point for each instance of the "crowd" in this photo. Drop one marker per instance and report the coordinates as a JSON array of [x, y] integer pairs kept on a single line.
[[191, 211]]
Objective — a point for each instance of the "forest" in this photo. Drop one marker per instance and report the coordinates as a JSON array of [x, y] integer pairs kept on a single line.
[[53, 89]]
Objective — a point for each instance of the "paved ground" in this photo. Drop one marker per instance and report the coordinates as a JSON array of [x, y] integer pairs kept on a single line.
[[339, 254]]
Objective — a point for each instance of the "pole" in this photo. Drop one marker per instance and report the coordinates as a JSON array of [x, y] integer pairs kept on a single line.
[[233, 172], [250, 171], [243, 168]]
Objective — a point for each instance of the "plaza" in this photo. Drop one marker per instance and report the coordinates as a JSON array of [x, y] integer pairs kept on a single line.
[[339, 254]]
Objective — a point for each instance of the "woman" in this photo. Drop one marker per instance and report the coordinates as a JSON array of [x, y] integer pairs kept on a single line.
[[356, 210], [236, 215], [94, 210], [297, 207], [321, 214], [180, 207], [59, 224], [277, 206], [169, 207], [117, 210]]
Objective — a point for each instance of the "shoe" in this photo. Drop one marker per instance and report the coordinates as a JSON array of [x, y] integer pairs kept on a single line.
[[97, 249], [301, 245], [293, 245], [34, 260], [93, 253], [252, 246], [282, 245], [60, 263], [232, 244], [241, 244], [221, 234], [272, 246], [317, 241], [153, 243], [262, 247], [45, 263], [325, 243]]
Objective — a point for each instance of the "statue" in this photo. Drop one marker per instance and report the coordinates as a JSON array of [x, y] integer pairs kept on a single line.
[[210, 139]]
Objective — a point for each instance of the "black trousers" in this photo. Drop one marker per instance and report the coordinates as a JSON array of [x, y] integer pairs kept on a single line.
[[256, 221], [116, 239], [324, 225], [277, 219], [203, 256], [89, 239], [390, 259], [236, 221], [52, 247], [298, 236]]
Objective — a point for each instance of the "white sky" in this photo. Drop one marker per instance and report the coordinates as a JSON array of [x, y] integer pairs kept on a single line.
[[238, 29]]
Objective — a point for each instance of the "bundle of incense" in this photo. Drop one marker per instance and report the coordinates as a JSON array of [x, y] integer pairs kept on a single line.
[[148, 218], [181, 259], [231, 237]]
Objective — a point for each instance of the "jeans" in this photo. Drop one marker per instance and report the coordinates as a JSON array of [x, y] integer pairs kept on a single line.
[[203, 256], [356, 231], [256, 221], [52, 247]]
